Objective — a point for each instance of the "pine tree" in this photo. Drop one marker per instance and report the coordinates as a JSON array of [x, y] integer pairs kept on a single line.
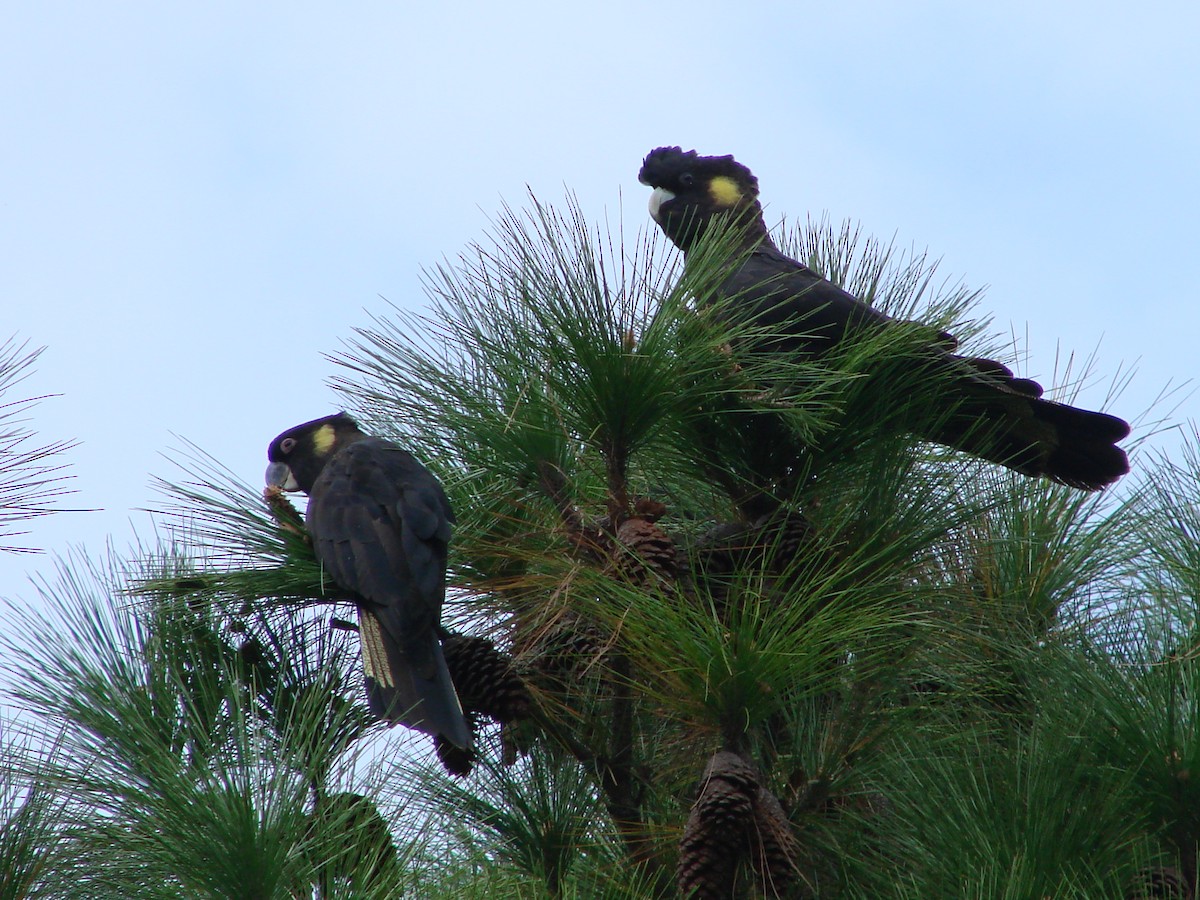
[[723, 627]]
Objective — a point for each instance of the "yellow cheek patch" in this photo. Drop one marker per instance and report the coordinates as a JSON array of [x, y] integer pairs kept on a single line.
[[323, 439], [724, 191]]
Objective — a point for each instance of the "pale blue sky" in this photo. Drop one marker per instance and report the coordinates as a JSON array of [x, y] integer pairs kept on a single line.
[[197, 201]]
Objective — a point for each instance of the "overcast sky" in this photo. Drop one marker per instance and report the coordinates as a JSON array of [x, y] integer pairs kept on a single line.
[[198, 201]]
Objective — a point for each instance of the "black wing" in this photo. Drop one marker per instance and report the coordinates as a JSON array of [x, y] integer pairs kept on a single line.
[[801, 310], [381, 527], [996, 415]]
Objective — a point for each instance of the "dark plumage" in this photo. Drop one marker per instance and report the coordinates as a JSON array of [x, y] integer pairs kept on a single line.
[[380, 525], [987, 411]]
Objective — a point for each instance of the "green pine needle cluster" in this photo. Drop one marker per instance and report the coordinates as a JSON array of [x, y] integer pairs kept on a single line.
[[31, 478]]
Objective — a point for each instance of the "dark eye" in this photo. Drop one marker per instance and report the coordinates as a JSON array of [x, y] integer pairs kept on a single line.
[[287, 445], [687, 179]]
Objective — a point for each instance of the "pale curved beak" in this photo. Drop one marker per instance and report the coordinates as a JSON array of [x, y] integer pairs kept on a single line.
[[280, 476], [657, 199]]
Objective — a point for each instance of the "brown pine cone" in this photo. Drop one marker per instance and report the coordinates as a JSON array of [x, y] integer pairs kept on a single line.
[[783, 537], [774, 856], [649, 509], [283, 512], [485, 679], [645, 552], [558, 655], [734, 819], [716, 835]]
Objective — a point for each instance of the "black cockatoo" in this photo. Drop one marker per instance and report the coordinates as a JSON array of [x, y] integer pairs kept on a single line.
[[987, 411], [380, 526]]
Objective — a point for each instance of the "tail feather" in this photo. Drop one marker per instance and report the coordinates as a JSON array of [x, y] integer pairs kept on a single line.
[[1084, 452], [1034, 436], [397, 692]]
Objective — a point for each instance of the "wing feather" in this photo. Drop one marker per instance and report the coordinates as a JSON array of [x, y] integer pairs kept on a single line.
[[381, 525]]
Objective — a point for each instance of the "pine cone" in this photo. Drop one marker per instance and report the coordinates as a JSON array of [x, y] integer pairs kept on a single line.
[[713, 558], [783, 536], [560, 653], [485, 679], [645, 552], [775, 859], [717, 830], [734, 819], [649, 509], [283, 512]]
